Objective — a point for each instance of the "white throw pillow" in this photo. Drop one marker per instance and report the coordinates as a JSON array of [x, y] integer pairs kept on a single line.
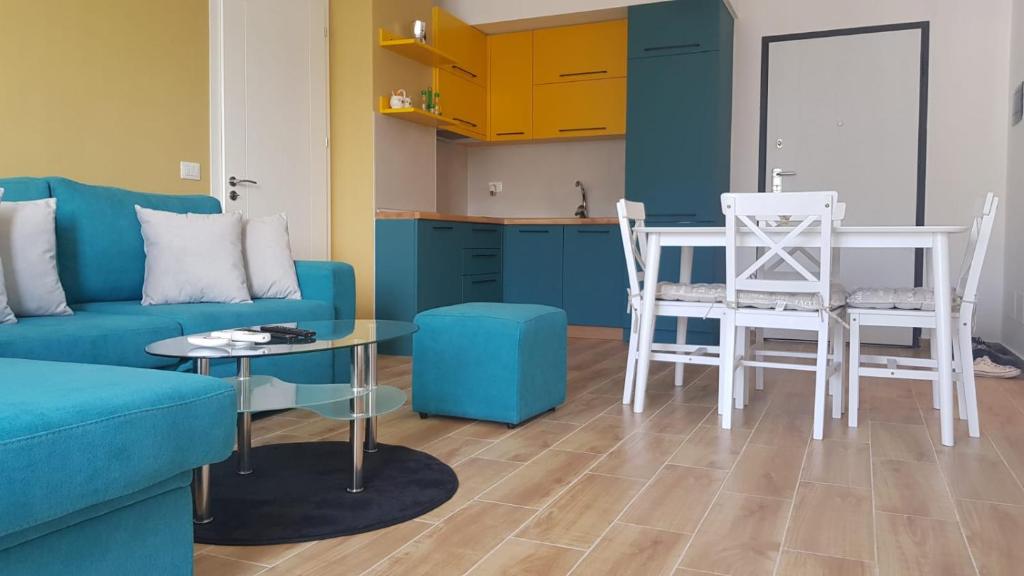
[[268, 258], [28, 253], [6, 316], [192, 258]]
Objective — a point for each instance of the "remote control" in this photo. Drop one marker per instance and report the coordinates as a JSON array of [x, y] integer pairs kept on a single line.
[[288, 331], [243, 336]]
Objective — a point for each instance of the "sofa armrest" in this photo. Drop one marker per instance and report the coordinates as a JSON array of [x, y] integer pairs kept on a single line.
[[333, 282]]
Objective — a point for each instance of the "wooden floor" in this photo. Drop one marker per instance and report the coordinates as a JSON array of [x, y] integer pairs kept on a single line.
[[594, 489]]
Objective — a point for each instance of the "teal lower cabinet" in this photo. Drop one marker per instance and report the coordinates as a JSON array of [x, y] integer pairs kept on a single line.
[[532, 266], [594, 276]]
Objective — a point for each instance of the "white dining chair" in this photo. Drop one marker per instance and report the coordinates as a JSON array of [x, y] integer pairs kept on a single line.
[[802, 303], [679, 300], [915, 308]]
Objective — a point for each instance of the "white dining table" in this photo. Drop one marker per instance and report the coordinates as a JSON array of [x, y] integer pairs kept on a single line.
[[934, 239]]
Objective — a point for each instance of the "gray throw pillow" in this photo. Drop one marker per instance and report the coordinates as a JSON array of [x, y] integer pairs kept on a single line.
[[268, 258], [28, 251], [192, 258]]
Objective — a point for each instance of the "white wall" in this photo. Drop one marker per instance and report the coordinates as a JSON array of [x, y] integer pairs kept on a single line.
[[538, 178], [404, 165], [967, 112], [1013, 201], [452, 178]]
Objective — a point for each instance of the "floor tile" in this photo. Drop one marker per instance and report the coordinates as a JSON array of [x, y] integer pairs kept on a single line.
[[910, 546], [641, 455], [357, 553], [453, 449], [741, 536], [994, 532], [528, 442], [517, 557], [980, 477], [833, 521], [916, 488], [582, 409], [679, 419], [838, 462], [712, 447], [900, 442], [767, 471], [632, 550], [676, 500], [598, 436], [475, 476], [208, 565], [803, 564], [539, 481]]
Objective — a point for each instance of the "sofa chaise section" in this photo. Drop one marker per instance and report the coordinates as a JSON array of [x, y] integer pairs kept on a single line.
[[97, 462]]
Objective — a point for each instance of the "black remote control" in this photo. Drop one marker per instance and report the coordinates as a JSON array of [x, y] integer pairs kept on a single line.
[[289, 331]]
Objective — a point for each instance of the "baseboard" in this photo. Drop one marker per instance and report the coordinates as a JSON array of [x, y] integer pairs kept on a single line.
[[595, 332]]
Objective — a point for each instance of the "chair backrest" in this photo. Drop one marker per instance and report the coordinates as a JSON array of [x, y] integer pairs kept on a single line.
[[806, 213], [631, 215], [977, 246]]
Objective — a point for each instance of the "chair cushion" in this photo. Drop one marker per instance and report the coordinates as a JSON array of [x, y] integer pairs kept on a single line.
[[88, 337], [711, 293], [76, 435], [885, 298], [22, 188], [99, 238], [195, 318]]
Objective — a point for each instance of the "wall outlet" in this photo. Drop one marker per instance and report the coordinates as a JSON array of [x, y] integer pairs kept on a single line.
[[494, 188], [190, 171]]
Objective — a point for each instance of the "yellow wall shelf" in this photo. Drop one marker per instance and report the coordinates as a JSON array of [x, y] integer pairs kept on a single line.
[[416, 115], [412, 48]]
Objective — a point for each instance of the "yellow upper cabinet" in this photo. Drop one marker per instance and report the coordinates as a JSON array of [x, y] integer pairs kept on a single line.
[[463, 103], [580, 109], [581, 52], [463, 43], [510, 69]]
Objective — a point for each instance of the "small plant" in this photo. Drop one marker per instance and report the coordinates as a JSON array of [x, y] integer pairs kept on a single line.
[[430, 100]]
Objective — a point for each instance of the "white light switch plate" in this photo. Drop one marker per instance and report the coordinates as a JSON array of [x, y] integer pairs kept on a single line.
[[190, 171], [494, 188]]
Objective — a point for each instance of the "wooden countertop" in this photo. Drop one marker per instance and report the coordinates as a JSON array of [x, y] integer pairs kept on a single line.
[[418, 215]]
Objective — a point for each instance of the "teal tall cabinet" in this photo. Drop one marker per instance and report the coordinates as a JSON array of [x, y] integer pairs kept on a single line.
[[679, 118]]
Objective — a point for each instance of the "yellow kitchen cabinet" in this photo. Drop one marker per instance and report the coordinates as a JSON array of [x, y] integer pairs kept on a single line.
[[463, 103], [580, 109], [580, 52], [462, 42], [510, 86]]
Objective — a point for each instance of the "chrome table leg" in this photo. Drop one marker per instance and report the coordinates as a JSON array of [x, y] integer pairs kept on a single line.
[[201, 476], [244, 437]]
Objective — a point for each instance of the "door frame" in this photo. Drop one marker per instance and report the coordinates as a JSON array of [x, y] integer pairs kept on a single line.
[[922, 114], [218, 181]]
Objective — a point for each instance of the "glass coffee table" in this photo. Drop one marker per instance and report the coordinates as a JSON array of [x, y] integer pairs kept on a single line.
[[359, 403]]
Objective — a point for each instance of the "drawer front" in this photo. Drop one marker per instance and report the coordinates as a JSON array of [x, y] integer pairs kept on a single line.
[[462, 102], [481, 235], [578, 109], [481, 261], [481, 288], [581, 52], [532, 265]]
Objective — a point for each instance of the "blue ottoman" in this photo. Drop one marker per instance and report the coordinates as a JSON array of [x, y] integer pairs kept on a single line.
[[489, 361]]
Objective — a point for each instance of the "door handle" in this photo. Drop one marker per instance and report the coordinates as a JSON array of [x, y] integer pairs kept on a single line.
[[236, 181], [233, 195], [777, 174]]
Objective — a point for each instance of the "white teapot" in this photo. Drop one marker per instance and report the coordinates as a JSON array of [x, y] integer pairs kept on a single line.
[[399, 99]]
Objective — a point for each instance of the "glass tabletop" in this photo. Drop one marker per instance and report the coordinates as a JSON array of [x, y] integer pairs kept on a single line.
[[330, 335], [338, 401]]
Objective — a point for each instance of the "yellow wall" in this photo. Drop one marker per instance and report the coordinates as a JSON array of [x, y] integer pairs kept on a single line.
[[105, 91]]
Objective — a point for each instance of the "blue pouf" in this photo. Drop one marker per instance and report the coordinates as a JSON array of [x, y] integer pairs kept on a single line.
[[489, 361]]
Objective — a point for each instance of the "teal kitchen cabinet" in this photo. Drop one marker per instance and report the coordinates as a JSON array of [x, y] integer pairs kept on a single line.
[[532, 265], [423, 264], [679, 27], [593, 276]]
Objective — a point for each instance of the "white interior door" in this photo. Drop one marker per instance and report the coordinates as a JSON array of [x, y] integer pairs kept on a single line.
[[274, 104], [842, 114]]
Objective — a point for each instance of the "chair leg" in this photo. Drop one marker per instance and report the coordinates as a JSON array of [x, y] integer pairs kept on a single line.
[[967, 367], [836, 370], [821, 380], [680, 339], [758, 371], [726, 369], [854, 377], [739, 377], [634, 340], [935, 356], [958, 376]]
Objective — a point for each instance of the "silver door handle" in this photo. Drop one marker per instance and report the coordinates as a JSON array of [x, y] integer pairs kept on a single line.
[[777, 174], [236, 181], [781, 172]]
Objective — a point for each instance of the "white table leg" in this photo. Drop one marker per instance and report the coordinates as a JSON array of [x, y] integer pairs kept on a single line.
[[647, 320], [686, 276], [943, 335]]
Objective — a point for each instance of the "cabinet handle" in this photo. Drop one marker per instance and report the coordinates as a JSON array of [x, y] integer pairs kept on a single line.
[[582, 129], [530, 231], [672, 47], [484, 256], [486, 230], [467, 122], [443, 227], [588, 73], [509, 133], [491, 281], [463, 70], [594, 231]]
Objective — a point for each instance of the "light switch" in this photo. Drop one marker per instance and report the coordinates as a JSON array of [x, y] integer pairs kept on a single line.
[[494, 188], [190, 171]]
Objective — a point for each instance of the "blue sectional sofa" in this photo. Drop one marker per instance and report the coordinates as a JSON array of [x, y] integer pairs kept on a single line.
[[98, 438], [102, 264]]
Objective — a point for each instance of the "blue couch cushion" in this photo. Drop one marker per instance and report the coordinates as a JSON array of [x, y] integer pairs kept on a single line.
[[195, 318], [99, 239], [75, 435], [88, 337], [24, 188]]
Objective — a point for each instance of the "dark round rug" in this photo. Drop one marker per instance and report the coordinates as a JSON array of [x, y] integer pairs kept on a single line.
[[297, 493]]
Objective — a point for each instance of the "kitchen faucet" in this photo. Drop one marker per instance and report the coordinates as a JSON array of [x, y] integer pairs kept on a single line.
[[581, 210]]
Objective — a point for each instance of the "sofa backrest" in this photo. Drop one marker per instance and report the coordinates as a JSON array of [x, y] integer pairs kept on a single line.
[[99, 239], [18, 189]]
